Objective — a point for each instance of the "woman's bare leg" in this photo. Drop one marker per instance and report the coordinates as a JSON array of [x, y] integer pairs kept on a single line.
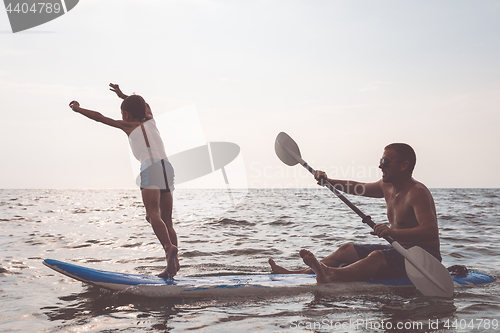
[[151, 199]]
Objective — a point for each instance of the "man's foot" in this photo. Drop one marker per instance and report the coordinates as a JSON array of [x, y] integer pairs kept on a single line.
[[276, 269], [323, 275], [177, 265], [171, 270]]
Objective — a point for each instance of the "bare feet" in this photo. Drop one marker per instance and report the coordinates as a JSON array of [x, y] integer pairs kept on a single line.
[[323, 273], [276, 269], [171, 270], [164, 274]]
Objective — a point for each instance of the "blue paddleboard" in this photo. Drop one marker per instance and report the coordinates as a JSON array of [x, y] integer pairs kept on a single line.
[[207, 285]]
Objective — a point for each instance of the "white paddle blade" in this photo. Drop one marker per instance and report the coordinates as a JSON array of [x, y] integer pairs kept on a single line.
[[284, 142], [442, 286]]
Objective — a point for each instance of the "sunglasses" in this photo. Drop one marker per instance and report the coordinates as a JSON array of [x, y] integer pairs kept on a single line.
[[385, 162]]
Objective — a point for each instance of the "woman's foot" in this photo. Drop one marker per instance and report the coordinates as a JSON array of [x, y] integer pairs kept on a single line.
[[171, 270]]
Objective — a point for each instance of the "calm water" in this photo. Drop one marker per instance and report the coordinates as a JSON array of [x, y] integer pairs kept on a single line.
[[105, 229]]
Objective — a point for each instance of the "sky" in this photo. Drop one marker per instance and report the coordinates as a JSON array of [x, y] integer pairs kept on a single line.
[[342, 78]]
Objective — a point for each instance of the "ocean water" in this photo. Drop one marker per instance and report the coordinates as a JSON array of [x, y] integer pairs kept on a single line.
[[105, 229]]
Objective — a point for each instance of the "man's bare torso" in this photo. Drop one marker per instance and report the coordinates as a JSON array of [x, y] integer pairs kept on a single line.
[[400, 211]]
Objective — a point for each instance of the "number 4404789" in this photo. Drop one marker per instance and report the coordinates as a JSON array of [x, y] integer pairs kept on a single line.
[[40, 7], [471, 324]]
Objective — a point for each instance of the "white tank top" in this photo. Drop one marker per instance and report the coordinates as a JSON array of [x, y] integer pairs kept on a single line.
[[146, 143]]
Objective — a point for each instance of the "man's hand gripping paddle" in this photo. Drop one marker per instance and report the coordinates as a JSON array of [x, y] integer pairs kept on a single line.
[[428, 275]]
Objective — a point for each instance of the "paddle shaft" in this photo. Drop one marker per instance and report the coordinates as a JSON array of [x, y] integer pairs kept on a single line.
[[366, 218]]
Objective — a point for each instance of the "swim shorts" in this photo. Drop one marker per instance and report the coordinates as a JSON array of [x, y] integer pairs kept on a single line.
[[157, 174], [395, 260]]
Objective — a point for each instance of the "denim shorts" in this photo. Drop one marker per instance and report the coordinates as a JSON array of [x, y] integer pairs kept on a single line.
[[157, 174], [395, 261]]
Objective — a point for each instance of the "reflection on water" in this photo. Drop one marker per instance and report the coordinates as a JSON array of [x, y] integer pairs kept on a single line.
[[94, 306], [105, 229]]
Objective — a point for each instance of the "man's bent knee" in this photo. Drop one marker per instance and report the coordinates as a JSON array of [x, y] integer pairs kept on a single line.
[[377, 255], [378, 258], [346, 247], [346, 254]]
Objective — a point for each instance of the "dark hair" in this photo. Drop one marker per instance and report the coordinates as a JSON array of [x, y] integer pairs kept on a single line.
[[135, 105], [405, 153]]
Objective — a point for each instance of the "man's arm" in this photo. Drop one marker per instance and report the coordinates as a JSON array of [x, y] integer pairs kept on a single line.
[[75, 106], [372, 190]]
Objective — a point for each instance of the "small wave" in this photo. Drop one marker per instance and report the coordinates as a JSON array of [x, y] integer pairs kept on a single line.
[[457, 255], [251, 251], [147, 260], [281, 223], [227, 221], [486, 306], [194, 254], [33, 242], [80, 246], [94, 260], [132, 245]]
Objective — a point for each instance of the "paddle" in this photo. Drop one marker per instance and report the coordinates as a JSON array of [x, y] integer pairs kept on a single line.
[[428, 275]]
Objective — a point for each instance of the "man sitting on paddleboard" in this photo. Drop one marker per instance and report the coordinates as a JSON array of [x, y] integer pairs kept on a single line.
[[412, 217]]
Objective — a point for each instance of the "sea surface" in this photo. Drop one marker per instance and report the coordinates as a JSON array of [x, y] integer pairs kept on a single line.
[[106, 229]]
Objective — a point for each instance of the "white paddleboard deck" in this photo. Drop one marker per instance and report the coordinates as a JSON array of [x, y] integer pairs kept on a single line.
[[149, 285]]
